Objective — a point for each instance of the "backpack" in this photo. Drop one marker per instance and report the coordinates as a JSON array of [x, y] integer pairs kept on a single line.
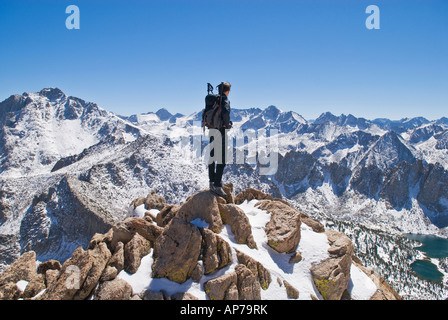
[[211, 115]]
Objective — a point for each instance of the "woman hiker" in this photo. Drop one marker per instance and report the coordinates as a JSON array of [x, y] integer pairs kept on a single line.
[[218, 143]]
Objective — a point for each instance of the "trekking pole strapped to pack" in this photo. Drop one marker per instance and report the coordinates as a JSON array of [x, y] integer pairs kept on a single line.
[[209, 88]]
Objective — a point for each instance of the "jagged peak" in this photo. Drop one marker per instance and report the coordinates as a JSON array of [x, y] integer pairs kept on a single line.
[[52, 93], [13, 103], [443, 120], [163, 114], [273, 108], [389, 150], [415, 120], [393, 137], [325, 117], [271, 112]]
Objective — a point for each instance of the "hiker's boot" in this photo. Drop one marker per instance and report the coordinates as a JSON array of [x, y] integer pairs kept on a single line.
[[219, 191]]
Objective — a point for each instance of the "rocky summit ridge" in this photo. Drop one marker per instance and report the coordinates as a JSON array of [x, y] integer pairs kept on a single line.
[[247, 246]]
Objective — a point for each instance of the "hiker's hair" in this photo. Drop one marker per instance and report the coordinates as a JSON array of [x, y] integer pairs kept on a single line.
[[224, 87]]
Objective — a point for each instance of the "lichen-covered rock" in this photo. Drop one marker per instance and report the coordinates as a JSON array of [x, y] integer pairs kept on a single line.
[[247, 284], [79, 275], [117, 289], [125, 230], [257, 269], [239, 224], [36, 285], [316, 225], [283, 229], [331, 276], [49, 265], [117, 259], [73, 273], [154, 201], [176, 251], [197, 272], [99, 256], [218, 288], [134, 251], [291, 292], [202, 205], [228, 189], [24, 268], [238, 285], [216, 252], [109, 274], [165, 215], [9, 291], [250, 194], [137, 202], [51, 277]]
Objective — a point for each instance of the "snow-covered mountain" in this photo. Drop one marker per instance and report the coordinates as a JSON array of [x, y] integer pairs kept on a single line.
[[65, 163], [38, 129]]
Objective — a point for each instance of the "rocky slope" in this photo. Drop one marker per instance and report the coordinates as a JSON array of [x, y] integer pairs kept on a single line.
[[187, 243]]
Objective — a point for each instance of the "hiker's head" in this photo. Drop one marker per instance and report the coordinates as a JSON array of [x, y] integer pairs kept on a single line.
[[224, 88]]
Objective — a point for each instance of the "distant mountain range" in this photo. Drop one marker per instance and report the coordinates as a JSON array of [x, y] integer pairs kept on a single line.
[[69, 167], [395, 166]]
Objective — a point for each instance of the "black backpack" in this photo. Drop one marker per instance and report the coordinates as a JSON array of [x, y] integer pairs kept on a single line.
[[211, 115]]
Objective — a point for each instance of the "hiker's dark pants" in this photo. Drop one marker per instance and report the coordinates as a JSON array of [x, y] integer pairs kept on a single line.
[[216, 166]]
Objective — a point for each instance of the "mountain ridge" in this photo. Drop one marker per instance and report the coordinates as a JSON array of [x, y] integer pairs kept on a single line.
[[337, 142], [119, 158]]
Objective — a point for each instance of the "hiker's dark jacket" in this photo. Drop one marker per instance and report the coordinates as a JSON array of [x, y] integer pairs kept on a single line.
[[225, 111]]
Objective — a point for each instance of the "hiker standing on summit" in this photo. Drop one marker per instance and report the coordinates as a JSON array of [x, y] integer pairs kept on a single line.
[[216, 117]]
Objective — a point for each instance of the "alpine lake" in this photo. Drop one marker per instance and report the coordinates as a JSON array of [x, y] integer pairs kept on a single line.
[[433, 247]]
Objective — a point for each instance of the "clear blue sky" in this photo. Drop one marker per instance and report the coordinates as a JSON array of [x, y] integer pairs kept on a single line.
[[308, 56]]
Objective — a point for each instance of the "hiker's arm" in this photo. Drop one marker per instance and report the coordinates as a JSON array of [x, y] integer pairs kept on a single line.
[[226, 115]]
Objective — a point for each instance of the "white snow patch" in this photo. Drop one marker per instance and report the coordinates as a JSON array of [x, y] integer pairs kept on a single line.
[[22, 285], [139, 211], [360, 286]]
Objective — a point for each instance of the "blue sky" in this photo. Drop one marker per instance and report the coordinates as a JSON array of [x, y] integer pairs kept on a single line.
[[308, 56]]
